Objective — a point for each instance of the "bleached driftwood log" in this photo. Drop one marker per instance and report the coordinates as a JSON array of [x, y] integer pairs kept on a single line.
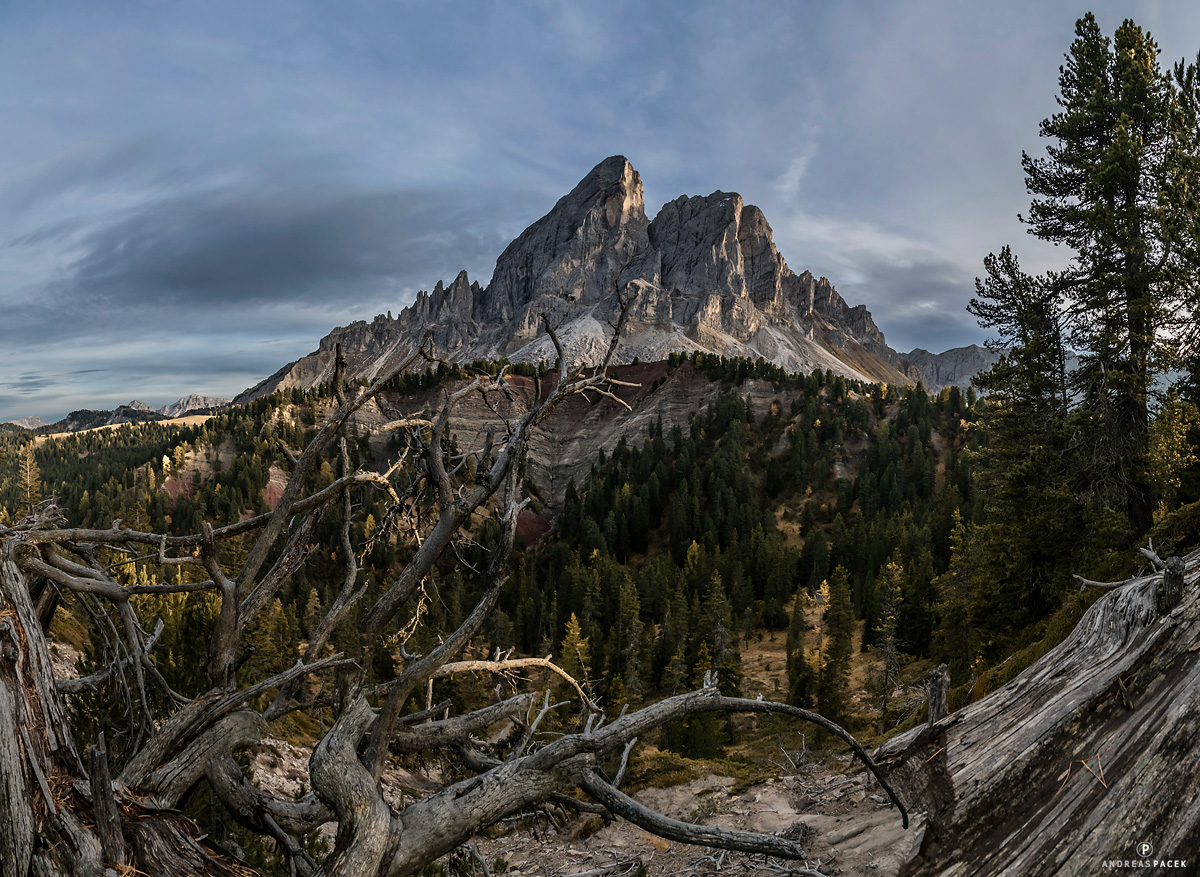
[[1083, 757]]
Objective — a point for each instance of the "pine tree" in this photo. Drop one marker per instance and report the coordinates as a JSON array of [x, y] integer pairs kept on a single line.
[[30, 480], [1118, 186], [702, 732], [1033, 486], [887, 633], [629, 648], [714, 625], [833, 695], [575, 656], [800, 673], [1171, 448], [955, 637], [313, 611]]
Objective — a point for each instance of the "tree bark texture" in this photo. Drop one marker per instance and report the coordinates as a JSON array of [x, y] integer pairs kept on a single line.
[[50, 826], [1088, 753]]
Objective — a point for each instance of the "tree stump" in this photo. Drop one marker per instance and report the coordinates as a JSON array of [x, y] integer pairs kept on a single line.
[[937, 693], [1170, 589]]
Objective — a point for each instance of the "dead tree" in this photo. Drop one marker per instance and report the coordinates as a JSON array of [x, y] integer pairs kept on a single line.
[[937, 693], [1086, 756], [70, 812]]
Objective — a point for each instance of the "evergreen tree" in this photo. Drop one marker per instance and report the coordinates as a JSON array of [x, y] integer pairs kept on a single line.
[[1118, 186], [30, 480], [629, 648], [887, 633], [1172, 449], [575, 656], [800, 673], [838, 621], [718, 637], [703, 737]]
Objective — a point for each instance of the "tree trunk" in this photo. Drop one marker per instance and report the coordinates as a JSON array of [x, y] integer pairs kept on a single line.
[[937, 693], [38, 761], [45, 793], [1086, 755]]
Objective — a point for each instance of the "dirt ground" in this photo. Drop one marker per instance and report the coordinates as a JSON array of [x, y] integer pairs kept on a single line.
[[840, 817], [839, 820]]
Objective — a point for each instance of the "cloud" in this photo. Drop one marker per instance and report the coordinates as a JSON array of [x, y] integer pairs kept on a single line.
[[325, 247], [223, 247], [26, 384], [109, 166], [914, 291], [225, 173]]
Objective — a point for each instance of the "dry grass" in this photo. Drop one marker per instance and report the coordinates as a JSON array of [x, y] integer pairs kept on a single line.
[[186, 420]]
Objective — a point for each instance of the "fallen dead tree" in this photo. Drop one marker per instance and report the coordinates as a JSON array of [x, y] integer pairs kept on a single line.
[[72, 813], [1087, 756]]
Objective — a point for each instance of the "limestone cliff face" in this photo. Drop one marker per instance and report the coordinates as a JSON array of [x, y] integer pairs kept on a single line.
[[706, 275], [954, 367], [579, 252], [191, 402]]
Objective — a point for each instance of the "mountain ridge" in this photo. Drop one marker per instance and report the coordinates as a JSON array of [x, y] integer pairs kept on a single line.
[[134, 411], [704, 274]]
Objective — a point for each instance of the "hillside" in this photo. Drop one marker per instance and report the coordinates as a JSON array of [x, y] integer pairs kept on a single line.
[[787, 532]]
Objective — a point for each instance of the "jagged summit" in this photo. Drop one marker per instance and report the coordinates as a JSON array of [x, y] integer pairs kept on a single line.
[[706, 273], [192, 402], [955, 366]]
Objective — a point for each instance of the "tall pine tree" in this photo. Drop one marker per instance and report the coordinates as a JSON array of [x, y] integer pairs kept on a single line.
[[1118, 186], [833, 684]]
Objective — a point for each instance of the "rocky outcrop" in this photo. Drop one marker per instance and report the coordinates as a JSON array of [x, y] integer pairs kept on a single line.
[[587, 248], [190, 403], [706, 273], [34, 422], [955, 367]]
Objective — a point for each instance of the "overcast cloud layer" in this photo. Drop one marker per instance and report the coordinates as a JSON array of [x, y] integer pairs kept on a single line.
[[191, 195]]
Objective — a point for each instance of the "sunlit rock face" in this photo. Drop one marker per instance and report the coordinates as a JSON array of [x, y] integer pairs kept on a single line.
[[705, 274]]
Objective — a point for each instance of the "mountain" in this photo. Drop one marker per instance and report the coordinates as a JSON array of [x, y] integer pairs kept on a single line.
[[953, 367], [86, 418], [34, 422], [132, 412], [705, 272], [192, 403]]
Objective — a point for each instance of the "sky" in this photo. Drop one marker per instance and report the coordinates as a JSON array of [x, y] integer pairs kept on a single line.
[[193, 194]]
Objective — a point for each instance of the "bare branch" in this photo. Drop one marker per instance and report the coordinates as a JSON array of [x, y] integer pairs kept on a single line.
[[509, 664], [686, 832]]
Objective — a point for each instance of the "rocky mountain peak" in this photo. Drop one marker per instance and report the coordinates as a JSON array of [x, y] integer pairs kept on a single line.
[[952, 367], [32, 422], [706, 272], [192, 402], [577, 253]]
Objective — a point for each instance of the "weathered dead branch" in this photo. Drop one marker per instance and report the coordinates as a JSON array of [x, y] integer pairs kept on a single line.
[[1098, 735]]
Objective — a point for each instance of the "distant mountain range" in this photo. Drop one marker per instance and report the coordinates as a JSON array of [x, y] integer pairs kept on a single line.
[[705, 274], [133, 412]]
